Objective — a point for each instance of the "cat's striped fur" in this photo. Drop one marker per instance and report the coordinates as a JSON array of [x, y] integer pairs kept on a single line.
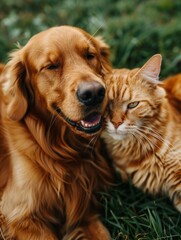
[[143, 133]]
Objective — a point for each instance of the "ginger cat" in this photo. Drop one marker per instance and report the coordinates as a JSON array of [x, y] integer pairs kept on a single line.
[[143, 133]]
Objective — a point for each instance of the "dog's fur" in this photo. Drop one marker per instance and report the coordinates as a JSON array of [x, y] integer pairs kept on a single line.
[[173, 87], [50, 166], [1, 67]]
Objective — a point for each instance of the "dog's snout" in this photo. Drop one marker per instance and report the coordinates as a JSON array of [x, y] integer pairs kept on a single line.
[[90, 93]]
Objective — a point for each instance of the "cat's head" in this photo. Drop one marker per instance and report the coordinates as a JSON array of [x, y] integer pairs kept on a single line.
[[135, 99]]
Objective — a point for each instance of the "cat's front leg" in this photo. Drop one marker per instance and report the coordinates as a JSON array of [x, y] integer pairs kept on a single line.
[[172, 185], [177, 201]]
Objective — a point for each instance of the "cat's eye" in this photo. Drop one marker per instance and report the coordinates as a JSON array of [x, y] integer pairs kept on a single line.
[[132, 105]]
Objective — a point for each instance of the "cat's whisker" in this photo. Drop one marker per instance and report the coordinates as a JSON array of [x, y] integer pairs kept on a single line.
[[141, 142], [159, 135], [138, 135], [156, 135], [151, 144]]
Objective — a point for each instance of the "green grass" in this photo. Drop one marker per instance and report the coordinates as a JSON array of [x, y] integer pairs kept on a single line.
[[131, 214], [135, 30]]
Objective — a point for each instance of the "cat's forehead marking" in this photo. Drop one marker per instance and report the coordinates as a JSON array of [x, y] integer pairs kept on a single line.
[[115, 83], [120, 87], [125, 92]]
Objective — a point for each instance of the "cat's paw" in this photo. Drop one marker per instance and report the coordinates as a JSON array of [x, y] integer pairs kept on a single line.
[[177, 202]]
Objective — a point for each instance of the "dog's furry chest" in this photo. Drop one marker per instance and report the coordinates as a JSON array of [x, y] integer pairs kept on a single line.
[[43, 186]]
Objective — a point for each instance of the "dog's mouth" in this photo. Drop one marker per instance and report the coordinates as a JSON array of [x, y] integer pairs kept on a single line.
[[89, 125]]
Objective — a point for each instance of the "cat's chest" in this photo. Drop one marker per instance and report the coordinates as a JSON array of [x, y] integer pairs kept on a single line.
[[146, 173], [122, 152]]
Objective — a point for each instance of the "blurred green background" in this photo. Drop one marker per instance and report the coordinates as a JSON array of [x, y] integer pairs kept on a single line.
[[134, 29]]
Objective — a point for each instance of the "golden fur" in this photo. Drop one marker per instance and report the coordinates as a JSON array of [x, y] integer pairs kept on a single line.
[[172, 85], [1, 67], [50, 166], [143, 132]]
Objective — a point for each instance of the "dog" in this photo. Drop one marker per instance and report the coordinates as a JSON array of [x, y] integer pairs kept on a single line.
[[1, 67], [172, 85], [53, 106]]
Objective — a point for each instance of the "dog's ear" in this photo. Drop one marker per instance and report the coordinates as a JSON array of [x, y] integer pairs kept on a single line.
[[1, 67], [14, 87], [105, 53]]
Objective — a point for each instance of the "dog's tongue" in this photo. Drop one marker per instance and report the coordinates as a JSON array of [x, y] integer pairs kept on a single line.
[[91, 121]]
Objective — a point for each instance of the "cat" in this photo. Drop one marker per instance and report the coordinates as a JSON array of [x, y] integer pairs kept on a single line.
[[143, 131]]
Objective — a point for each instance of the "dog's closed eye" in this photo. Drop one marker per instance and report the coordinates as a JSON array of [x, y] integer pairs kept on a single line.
[[53, 66], [90, 56]]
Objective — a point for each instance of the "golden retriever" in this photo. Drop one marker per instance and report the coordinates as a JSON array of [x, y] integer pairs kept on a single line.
[[1, 67], [172, 85], [53, 104]]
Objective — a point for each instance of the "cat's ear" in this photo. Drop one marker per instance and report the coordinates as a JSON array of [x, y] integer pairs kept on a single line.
[[151, 69]]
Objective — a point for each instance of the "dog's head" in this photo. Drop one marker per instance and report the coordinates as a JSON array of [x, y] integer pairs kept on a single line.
[[59, 71]]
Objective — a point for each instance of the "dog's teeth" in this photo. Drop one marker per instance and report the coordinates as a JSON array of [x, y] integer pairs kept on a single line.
[[84, 124]]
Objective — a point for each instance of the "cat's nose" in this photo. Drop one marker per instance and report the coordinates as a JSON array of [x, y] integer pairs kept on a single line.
[[117, 124]]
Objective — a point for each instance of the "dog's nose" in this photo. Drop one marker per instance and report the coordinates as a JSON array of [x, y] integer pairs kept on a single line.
[[90, 93]]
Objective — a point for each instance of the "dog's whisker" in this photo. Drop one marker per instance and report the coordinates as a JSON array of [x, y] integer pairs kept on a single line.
[[93, 35]]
